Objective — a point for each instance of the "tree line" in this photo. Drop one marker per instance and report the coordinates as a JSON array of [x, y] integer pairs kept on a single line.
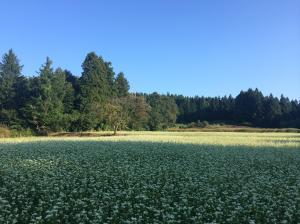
[[249, 107], [56, 100]]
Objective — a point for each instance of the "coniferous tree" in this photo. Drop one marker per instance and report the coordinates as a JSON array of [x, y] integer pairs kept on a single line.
[[249, 106], [122, 85], [38, 108], [96, 88], [11, 83], [272, 112], [110, 78], [45, 109]]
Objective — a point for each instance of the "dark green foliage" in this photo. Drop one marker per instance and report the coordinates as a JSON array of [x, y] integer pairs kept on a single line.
[[163, 111], [96, 81], [10, 73], [96, 88], [122, 85], [272, 112], [12, 89], [196, 108], [249, 106], [57, 100], [49, 101]]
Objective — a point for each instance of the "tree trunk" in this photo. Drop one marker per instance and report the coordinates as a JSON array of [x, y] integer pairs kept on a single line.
[[115, 129]]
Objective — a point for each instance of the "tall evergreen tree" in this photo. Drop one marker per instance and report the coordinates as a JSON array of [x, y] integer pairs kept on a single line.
[[122, 85], [249, 106], [11, 82], [45, 109], [272, 112], [94, 83], [95, 90], [110, 78], [285, 104]]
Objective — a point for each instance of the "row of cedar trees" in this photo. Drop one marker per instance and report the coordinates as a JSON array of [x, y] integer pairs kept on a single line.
[[56, 100]]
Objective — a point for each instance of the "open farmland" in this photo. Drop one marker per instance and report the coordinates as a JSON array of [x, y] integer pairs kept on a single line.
[[151, 177]]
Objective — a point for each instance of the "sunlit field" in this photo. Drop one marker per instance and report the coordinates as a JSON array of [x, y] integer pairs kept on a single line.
[[291, 140], [151, 177]]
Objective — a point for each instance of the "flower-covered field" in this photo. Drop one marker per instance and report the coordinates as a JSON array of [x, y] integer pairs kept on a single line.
[[156, 177]]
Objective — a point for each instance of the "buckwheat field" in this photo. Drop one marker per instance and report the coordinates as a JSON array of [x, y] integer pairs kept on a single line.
[[144, 177]]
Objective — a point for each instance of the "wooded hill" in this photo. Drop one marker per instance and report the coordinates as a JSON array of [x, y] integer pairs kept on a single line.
[[56, 100]]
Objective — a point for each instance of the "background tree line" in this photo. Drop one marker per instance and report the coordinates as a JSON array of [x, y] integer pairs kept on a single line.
[[56, 100], [250, 107]]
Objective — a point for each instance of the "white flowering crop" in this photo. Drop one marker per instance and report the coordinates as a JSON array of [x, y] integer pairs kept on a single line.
[[115, 181]]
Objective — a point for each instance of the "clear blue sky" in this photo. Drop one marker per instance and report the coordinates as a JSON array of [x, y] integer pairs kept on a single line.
[[209, 47]]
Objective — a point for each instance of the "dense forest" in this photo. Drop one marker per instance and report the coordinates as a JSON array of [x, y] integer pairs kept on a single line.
[[56, 100]]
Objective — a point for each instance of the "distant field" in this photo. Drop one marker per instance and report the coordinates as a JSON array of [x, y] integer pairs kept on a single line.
[[151, 177], [235, 128]]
